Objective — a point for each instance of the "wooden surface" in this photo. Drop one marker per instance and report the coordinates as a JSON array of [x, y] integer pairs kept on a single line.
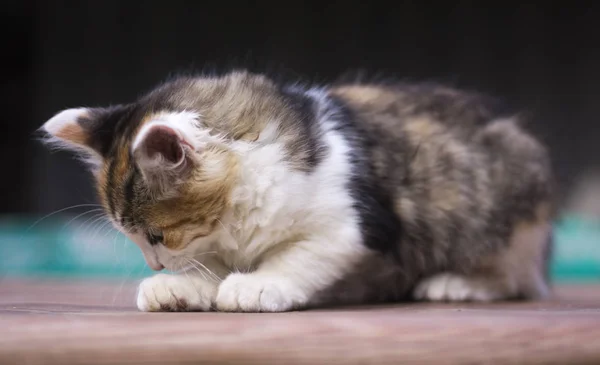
[[88, 322]]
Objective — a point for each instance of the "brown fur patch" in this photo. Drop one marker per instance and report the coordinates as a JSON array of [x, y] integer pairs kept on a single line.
[[520, 268], [121, 170], [73, 133], [459, 176], [422, 129], [200, 201], [375, 97]]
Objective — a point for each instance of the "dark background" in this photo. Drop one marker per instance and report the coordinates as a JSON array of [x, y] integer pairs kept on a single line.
[[541, 57]]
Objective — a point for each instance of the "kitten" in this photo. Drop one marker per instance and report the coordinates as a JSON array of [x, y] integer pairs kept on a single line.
[[268, 197]]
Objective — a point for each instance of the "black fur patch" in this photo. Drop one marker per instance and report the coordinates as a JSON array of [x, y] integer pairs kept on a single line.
[[381, 227], [129, 194], [154, 239], [309, 144], [103, 126], [109, 187]]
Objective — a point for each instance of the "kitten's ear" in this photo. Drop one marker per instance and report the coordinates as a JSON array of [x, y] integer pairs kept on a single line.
[[162, 151], [65, 127], [85, 130]]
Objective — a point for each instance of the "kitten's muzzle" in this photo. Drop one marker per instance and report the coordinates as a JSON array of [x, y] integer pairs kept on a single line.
[[156, 266]]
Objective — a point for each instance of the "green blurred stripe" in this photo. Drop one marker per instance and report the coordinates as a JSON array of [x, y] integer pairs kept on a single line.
[[54, 248]]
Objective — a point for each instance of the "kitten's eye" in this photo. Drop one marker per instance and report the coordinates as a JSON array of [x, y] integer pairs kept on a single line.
[[154, 239]]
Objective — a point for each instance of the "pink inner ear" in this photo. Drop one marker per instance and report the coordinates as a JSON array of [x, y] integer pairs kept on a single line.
[[164, 141]]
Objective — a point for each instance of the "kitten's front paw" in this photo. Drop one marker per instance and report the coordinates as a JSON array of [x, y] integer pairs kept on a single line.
[[164, 292], [255, 293]]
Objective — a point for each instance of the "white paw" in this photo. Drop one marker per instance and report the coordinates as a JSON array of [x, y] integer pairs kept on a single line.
[[255, 293], [164, 292], [454, 288]]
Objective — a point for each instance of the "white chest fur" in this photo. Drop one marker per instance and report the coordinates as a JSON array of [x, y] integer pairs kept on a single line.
[[275, 205]]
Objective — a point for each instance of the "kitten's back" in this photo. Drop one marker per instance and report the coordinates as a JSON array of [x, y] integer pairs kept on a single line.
[[464, 176]]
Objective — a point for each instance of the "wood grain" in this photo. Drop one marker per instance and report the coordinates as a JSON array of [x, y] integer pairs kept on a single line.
[[91, 322]]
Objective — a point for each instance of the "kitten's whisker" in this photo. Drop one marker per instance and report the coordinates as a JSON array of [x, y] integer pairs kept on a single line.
[[182, 269], [87, 242], [100, 226], [188, 277], [115, 247], [59, 211], [98, 219], [94, 217], [206, 253], [227, 231], [214, 276], [88, 228], [193, 266], [184, 265], [110, 230], [120, 289], [104, 229], [125, 227], [202, 269], [116, 236], [93, 226], [77, 216], [85, 223]]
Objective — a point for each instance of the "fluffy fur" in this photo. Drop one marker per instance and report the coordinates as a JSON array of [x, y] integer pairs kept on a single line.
[[269, 197]]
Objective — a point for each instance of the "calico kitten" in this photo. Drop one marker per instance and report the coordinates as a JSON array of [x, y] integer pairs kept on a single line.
[[269, 197]]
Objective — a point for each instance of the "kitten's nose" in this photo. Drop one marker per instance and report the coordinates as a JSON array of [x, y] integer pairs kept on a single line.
[[152, 261], [157, 266]]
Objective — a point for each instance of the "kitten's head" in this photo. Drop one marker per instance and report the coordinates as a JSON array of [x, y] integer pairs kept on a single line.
[[166, 165]]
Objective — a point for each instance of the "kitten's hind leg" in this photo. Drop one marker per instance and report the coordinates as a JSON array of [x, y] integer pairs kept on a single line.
[[453, 287], [517, 271]]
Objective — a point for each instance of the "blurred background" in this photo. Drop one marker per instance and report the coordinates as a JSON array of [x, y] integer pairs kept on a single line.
[[543, 58]]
